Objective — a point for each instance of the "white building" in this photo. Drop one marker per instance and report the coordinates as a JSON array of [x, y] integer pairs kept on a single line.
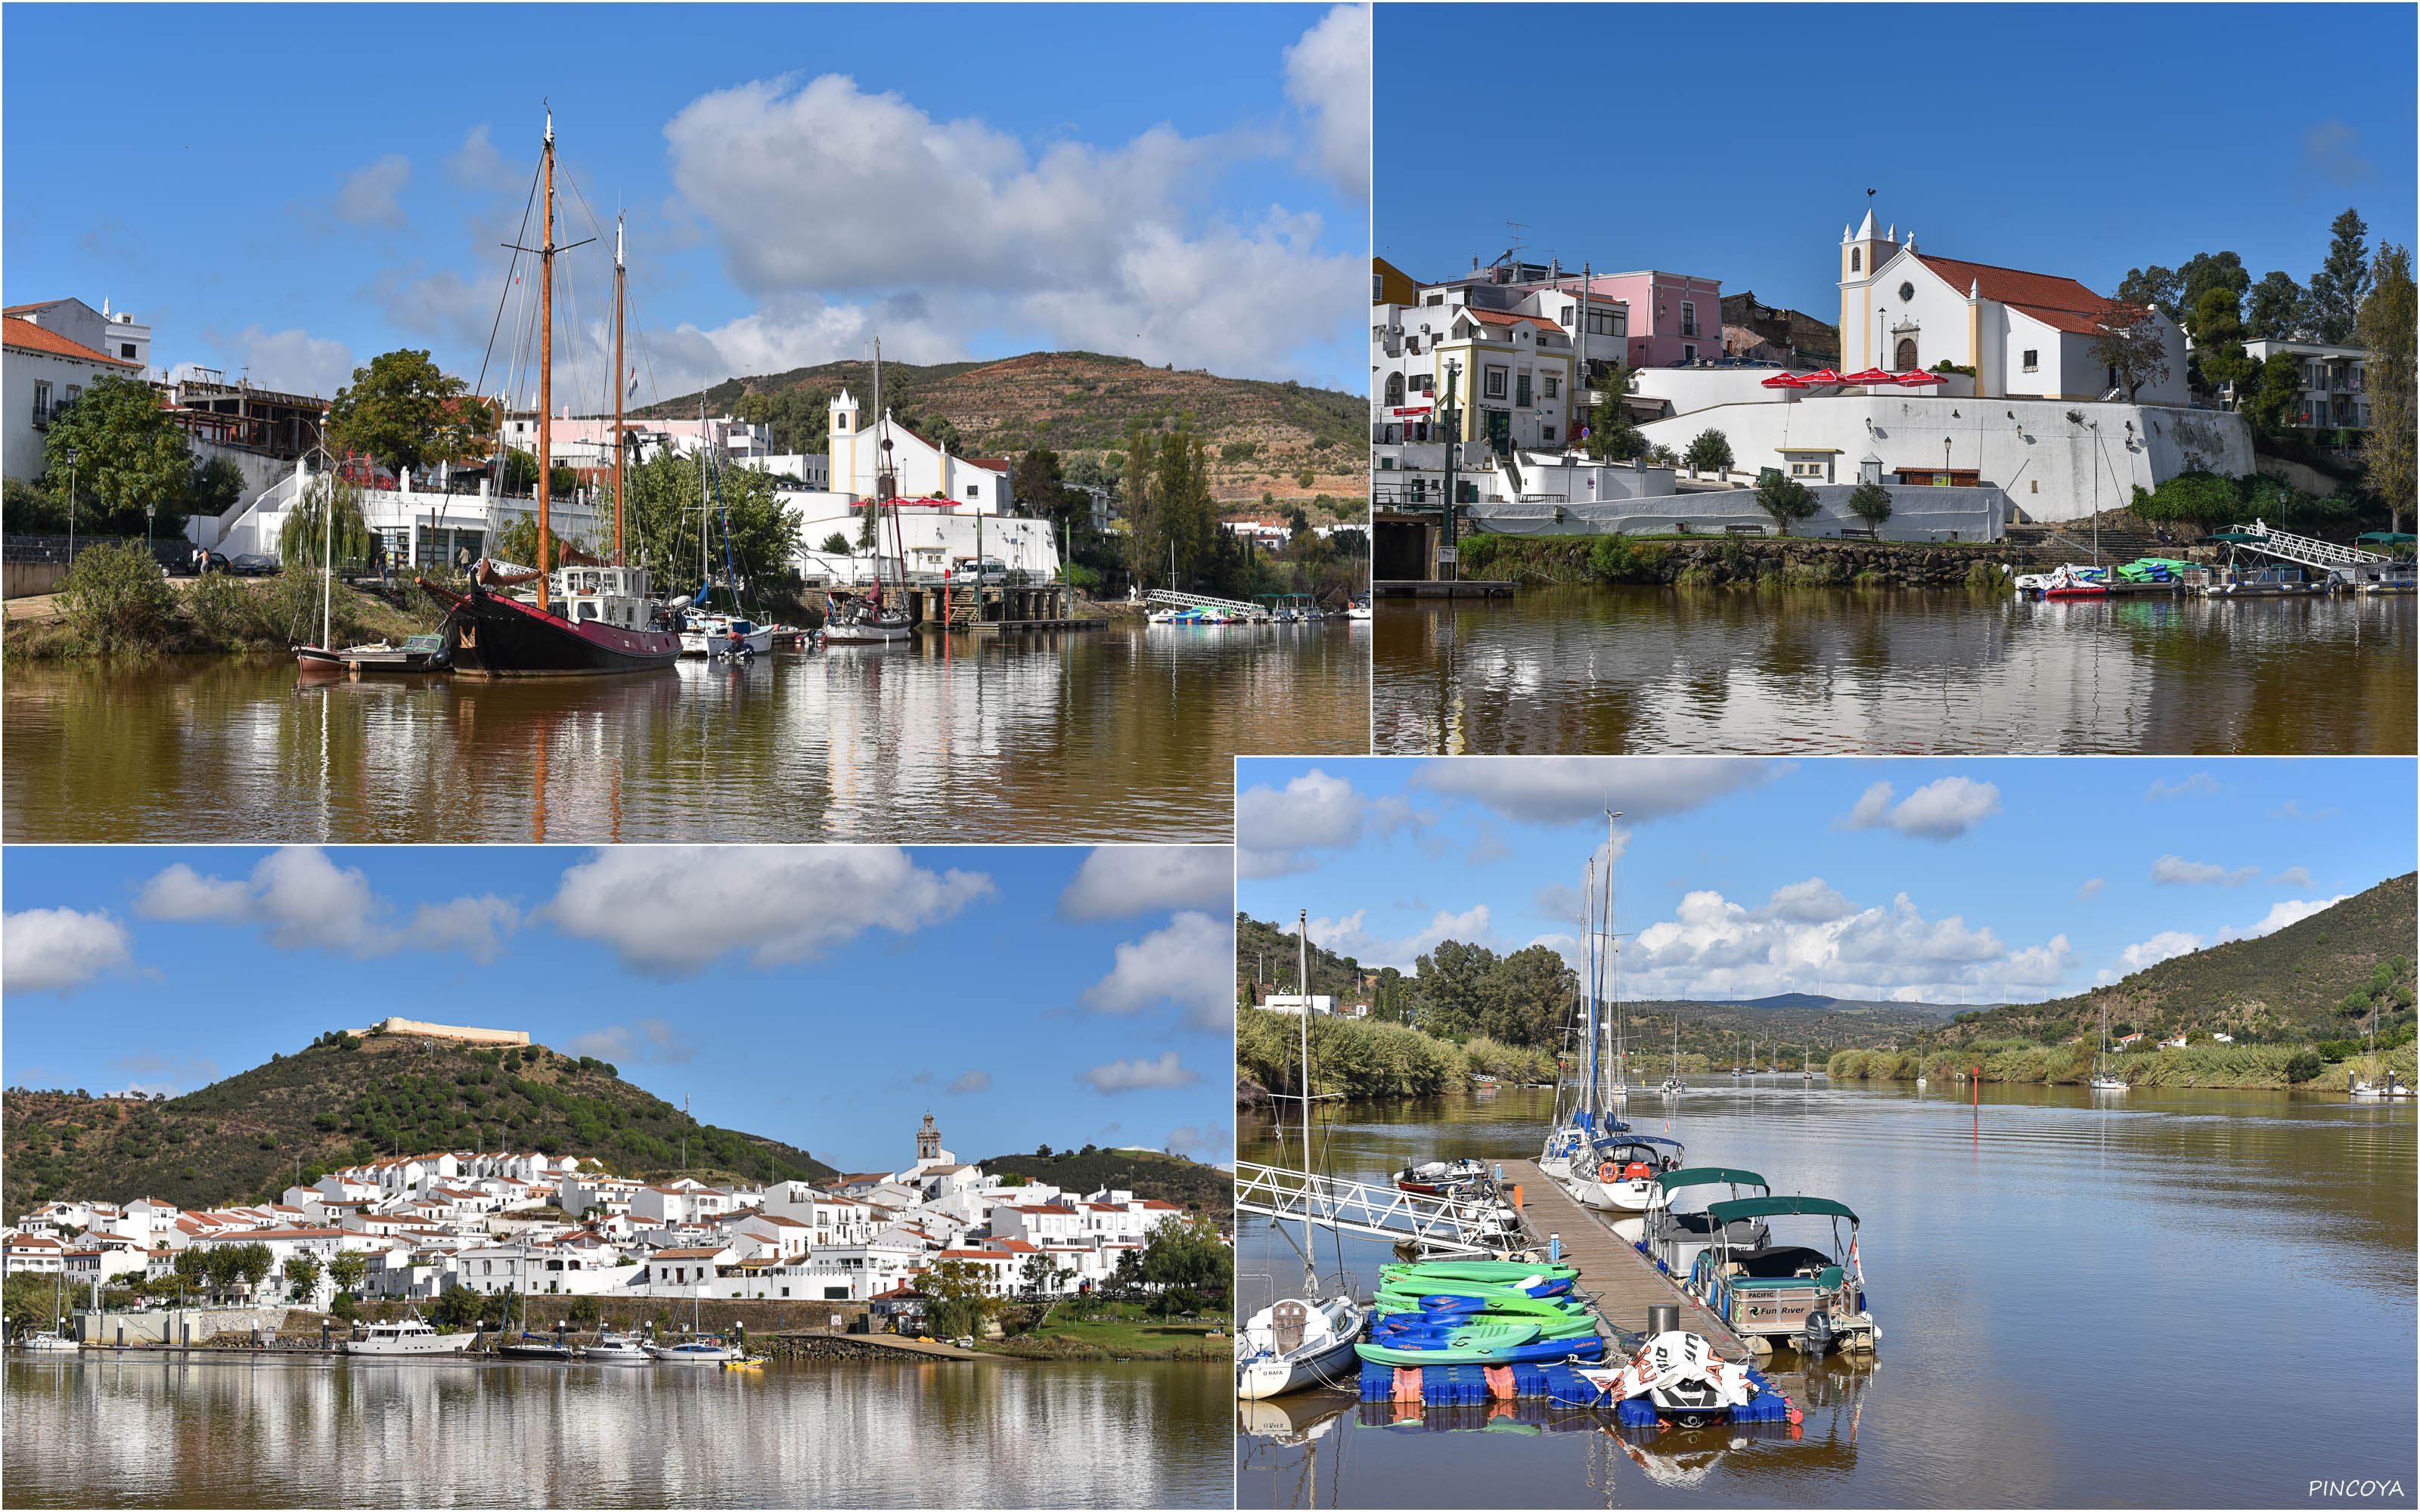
[[2334, 389], [924, 471], [42, 369], [1295, 1003]]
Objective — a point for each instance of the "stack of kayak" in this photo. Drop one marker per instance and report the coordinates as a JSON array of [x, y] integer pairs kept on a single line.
[[2151, 570], [1479, 1312]]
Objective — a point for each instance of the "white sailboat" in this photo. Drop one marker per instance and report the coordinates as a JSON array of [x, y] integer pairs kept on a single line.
[[877, 620], [2364, 1091], [1673, 1085], [2101, 1080], [1299, 1342]]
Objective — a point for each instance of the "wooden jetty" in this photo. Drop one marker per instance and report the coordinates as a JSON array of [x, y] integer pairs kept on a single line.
[[1431, 588], [1622, 1282]]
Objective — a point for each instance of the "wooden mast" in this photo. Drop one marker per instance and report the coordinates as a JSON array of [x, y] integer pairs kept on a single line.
[[617, 392], [546, 367]]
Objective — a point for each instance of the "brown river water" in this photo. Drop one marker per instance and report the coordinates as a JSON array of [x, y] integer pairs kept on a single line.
[[2175, 1299], [1125, 733], [1618, 671]]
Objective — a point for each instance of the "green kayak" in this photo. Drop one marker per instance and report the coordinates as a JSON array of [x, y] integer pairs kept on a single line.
[[1528, 1310], [1503, 1273], [1478, 1345]]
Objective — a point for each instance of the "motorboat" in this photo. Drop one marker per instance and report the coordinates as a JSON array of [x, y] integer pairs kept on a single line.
[[2387, 1088], [1672, 1236], [616, 1348], [1622, 1171], [1811, 1297], [1441, 1177], [1673, 1087], [1679, 1373], [866, 621], [747, 1362], [408, 1336], [1296, 1344], [537, 1347], [725, 634], [2068, 581], [1358, 608], [704, 1348]]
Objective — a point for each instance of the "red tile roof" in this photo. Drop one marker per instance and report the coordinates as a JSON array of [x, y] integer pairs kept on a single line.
[[2061, 303], [25, 333], [1503, 318]]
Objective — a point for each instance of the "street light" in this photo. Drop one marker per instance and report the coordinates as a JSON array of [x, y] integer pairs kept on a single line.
[[72, 505]]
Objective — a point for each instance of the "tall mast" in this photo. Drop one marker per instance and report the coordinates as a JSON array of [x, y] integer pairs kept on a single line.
[[546, 366], [1588, 922], [704, 525], [1302, 989], [617, 392]]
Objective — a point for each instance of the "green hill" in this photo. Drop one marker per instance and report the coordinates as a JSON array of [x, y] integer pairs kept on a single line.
[[1149, 1176], [343, 1100], [1262, 435], [2312, 981]]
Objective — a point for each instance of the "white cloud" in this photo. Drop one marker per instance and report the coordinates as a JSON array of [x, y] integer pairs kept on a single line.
[[641, 1040], [1121, 881], [2171, 942], [2285, 912], [969, 1082], [301, 901], [2160, 788], [2166, 944], [166, 1076], [1191, 963], [60, 950], [1807, 938], [1212, 1145], [2195, 873], [2293, 810], [1138, 1075], [1351, 937], [293, 360], [672, 910], [828, 201], [1942, 809], [477, 164], [369, 198], [2090, 890], [2293, 876], [1272, 828], [1554, 790], [1328, 77]]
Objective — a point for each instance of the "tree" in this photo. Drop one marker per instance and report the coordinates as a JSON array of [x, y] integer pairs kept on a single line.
[[2207, 272], [585, 1313], [2386, 333], [836, 544], [662, 522], [2155, 286], [130, 456], [2200, 499], [1036, 1276], [2342, 283], [961, 1300], [1711, 452], [2275, 312], [252, 1263], [1785, 498], [347, 1270], [300, 541], [798, 420], [303, 1271], [2131, 344], [517, 542], [407, 412], [2218, 339], [2276, 402], [1453, 991], [1611, 437], [1871, 502], [218, 487]]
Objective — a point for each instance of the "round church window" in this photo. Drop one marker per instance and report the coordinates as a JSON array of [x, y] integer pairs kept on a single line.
[[1907, 292]]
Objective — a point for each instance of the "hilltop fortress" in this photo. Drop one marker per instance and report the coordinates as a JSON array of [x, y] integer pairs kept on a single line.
[[448, 1031]]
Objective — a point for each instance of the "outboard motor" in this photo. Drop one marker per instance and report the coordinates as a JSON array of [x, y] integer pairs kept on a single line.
[[1817, 1341]]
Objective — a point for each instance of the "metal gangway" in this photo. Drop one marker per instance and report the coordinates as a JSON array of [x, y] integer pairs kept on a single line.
[[1437, 1226], [2306, 550], [1174, 598]]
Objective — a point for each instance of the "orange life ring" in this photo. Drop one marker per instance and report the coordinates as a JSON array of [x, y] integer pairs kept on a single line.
[[1608, 1172]]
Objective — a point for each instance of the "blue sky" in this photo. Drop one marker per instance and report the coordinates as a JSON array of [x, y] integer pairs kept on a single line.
[[1976, 880], [823, 994], [2074, 140], [1178, 183]]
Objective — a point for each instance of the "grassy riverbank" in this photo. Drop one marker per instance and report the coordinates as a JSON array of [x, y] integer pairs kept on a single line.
[[1693, 562], [1123, 1331], [115, 605], [1365, 1058], [2205, 1066]]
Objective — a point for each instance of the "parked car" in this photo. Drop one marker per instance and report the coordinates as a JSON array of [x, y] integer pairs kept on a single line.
[[215, 563], [253, 565]]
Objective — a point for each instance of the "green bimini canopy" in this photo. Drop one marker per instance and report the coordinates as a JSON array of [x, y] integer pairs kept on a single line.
[[1723, 1213], [1702, 1175], [2234, 537], [2387, 537]]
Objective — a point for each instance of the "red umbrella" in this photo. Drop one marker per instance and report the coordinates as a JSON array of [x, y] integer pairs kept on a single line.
[[1785, 381], [1871, 376], [1827, 376], [1922, 377]]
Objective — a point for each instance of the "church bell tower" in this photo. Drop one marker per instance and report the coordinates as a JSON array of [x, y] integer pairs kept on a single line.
[[928, 1143], [1861, 253]]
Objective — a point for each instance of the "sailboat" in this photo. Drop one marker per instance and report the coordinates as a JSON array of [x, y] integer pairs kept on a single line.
[[56, 1341], [586, 616], [1571, 1149], [531, 1346], [870, 619], [698, 1348], [704, 632], [1299, 1342], [2101, 1080], [1673, 1085], [2364, 1091]]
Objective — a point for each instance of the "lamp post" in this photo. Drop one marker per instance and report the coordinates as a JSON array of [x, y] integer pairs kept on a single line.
[[72, 505], [1452, 438]]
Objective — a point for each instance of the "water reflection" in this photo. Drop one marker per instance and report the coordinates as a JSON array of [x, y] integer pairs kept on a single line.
[[1620, 670], [158, 1433], [1125, 733], [2034, 1260]]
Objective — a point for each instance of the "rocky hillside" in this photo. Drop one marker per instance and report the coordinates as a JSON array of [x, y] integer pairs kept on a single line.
[[1147, 1175], [1263, 437], [346, 1099]]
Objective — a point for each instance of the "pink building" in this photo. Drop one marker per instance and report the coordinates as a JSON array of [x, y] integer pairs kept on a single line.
[[1671, 317]]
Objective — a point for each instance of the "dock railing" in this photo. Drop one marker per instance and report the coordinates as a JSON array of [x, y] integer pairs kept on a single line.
[[2309, 550], [1438, 1226]]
